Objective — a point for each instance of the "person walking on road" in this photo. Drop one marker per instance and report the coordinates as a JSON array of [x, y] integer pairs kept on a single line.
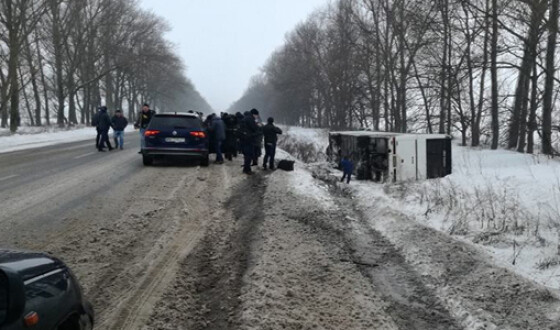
[[247, 133], [94, 123], [144, 118], [347, 169], [217, 127], [119, 123], [270, 133], [103, 122]]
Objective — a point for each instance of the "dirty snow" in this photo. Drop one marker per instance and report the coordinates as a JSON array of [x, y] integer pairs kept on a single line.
[[506, 203]]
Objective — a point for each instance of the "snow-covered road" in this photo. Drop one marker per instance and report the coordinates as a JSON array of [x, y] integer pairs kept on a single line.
[[176, 246]]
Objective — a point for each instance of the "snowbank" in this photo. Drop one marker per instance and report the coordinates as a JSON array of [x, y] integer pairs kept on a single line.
[[505, 201], [36, 137]]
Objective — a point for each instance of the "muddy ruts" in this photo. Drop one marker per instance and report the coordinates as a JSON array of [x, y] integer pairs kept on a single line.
[[207, 290]]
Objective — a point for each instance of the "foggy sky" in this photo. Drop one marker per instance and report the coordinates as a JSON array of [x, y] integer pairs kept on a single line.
[[225, 42]]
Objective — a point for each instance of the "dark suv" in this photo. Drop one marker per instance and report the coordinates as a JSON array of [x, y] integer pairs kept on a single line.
[[38, 291], [175, 134]]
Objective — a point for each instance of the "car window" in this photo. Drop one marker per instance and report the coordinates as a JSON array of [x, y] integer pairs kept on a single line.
[[49, 287], [175, 122], [3, 297]]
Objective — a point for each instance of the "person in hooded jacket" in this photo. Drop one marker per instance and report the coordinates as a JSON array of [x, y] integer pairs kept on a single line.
[[270, 133], [103, 122], [218, 130], [119, 123], [248, 130]]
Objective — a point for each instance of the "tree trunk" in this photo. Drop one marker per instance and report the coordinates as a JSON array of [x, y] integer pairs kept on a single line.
[[34, 83], [26, 98], [476, 128], [58, 59], [532, 125], [522, 91], [494, 73], [549, 84], [43, 81], [444, 78]]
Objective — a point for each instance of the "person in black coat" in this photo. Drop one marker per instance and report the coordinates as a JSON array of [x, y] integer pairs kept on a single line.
[[248, 130], [270, 133], [103, 122], [94, 122], [230, 144], [119, 123]]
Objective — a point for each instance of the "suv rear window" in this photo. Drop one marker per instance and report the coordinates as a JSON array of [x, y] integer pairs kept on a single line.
[[175, 122]]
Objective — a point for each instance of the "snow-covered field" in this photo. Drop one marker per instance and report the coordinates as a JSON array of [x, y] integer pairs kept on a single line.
[[36, 137], [503, 202]]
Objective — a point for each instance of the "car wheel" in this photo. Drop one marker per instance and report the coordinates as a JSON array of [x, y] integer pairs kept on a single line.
[[205, 161], [147, 160], [86, 323]]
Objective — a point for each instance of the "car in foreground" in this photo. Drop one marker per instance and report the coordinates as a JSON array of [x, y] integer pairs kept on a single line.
[[40, 292], [175, 134]]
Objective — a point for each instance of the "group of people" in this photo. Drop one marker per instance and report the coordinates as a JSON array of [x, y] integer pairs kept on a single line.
[[103, 122], [244, 133]]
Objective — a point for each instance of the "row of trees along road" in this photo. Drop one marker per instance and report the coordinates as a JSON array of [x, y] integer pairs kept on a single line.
[[61, 59], [481, 69]]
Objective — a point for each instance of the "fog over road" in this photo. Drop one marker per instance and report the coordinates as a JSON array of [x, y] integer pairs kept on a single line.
[[178, 246]]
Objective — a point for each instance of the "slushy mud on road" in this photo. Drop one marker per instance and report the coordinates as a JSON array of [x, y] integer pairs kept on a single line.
[[177, 246]]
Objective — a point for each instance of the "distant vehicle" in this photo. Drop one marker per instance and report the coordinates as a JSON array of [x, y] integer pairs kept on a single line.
[[40, 292], [176, 134]]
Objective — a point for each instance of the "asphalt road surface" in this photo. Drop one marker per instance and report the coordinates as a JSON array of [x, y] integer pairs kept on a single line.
[[41, 188]]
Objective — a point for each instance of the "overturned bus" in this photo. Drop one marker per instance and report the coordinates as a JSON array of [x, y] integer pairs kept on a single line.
[[392, 157]]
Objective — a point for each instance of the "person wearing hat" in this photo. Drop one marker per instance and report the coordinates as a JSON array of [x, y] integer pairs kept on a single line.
[[119, 123], [144, 118], [270, 133]]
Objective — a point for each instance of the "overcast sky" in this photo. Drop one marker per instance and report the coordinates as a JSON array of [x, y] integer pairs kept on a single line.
[[225, 42]]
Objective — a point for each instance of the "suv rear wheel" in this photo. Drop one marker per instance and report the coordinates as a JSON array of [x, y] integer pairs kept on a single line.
[[147, 160], [205, 161]]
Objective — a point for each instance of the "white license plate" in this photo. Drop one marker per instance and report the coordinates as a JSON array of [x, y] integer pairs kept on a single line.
[[175, 140]]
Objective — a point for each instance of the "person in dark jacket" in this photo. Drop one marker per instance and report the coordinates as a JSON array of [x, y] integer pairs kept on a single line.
[[230, 144], [239, 118], [347, 168], [257, 153], [103, 125], [94, 123], [143, 120], [270, 133], [218, 129], [119, 123], [247, 132]]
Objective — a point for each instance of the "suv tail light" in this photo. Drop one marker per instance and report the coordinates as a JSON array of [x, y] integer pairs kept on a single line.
[[151, 133], [201, 135]]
